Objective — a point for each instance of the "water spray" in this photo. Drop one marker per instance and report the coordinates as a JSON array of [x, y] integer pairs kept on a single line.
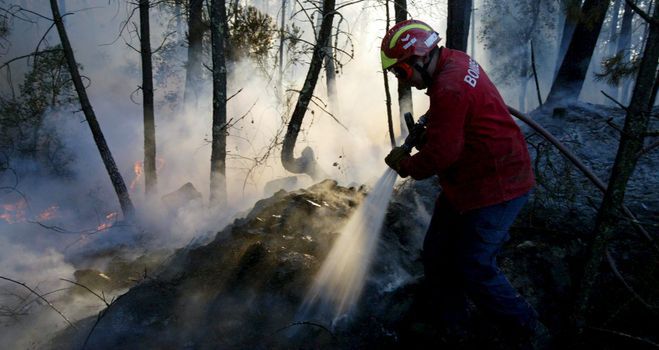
[[340, 281]]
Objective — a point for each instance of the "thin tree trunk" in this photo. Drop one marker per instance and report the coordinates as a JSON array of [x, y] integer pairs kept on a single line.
[[631, 143], [307, 163], [111, 167], [218, 187], [193, 76], [535, 75], [572, 72], [404, 88], [387, 94], [281, 47], [457, 24], [150, 176]]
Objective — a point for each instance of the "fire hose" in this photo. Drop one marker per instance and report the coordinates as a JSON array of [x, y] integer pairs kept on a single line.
[[580, 165], [415, 137]]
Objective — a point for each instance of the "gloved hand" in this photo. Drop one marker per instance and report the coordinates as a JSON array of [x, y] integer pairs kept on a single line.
[[394, 158], [423, 138]]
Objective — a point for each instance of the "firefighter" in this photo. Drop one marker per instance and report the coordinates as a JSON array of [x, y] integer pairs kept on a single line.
[[484, 169]]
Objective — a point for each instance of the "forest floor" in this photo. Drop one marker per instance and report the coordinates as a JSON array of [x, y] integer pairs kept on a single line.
[[243, 289]]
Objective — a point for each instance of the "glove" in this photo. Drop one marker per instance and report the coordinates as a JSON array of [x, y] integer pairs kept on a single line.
[[423, 138], [394, 158]]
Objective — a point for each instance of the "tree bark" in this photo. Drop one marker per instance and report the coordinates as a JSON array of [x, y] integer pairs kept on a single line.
[[574, 67], [150, 176], [306, 164], [457, 26], [111, 167], [218, 186], [404, 89], [193, 77], [631, 143]]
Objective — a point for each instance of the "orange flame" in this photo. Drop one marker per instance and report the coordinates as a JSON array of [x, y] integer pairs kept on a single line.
[[14, 213], [138, 168], [111, 219], [48, 214]]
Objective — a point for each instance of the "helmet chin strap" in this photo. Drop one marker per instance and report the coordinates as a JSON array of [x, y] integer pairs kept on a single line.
[[423, 70]]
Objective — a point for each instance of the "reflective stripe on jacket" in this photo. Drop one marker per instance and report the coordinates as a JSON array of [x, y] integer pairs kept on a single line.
[[473, 143]]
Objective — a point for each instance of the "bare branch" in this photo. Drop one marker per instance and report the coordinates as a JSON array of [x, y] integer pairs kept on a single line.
[[615, 101], [625, 335], [642, 13], [89, 290], [614, 267], [123, 27], [232, 96], [338, 7], [648, 148], [162, 44], [42, 298], [28, 55], [307, 323]]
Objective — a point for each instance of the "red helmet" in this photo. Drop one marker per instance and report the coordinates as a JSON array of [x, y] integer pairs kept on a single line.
[[406, 39]]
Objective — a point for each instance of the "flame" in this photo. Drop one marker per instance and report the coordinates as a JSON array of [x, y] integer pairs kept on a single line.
[[138, 169], [14, 213], [110, 220], [48, 214]]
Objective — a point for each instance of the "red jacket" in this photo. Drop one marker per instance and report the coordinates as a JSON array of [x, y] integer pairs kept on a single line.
[[473, 144]]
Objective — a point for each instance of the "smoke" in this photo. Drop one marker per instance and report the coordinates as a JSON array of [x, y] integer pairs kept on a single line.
[[349, 146]]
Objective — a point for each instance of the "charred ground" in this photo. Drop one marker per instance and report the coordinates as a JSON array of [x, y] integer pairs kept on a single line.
[[242, 289]]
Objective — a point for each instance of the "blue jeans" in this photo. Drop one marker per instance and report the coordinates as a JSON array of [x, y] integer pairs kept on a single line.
[[459, 257]]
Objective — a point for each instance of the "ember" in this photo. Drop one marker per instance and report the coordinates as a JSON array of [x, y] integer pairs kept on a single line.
[[14, 213]]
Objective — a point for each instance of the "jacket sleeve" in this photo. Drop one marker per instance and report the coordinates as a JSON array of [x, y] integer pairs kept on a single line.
[[445, 135]]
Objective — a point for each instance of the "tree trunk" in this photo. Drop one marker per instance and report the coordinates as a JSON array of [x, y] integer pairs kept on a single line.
[[306, 164], [281, 47], [625, 45], [150, 176], [572, 72], [457, 24], [631, 143], [111, 167], [387, 94], [218, 188], [404, 89], [193, 77]]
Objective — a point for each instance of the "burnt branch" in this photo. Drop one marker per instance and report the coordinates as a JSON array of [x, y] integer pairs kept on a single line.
[[614, 101]]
